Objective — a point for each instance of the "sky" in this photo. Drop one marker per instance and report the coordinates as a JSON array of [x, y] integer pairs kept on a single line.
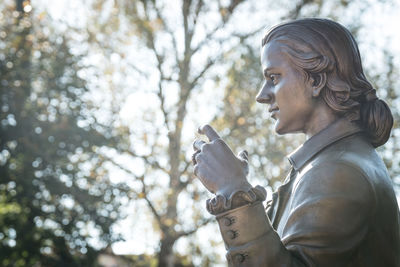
[[382, 31]]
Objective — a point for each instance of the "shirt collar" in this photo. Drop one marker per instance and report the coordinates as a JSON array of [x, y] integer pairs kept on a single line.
[[334, 132]]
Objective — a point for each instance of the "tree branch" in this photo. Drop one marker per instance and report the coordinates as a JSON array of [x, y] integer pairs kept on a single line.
[[138, 70], [160, 58], [294, 14], [170, 32], [160, 95], [250, 34], [186, 233], [147, 160], [187, 164], [225, 19], [143, 193], [151, 206], [188, 32], [208, 37], [197, 12], [202, 72]]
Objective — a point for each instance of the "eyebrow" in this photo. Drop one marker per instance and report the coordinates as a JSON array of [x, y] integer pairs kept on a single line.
[[268, 70]]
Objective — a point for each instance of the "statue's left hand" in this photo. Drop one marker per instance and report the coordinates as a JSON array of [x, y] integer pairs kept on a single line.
[[220, 171]]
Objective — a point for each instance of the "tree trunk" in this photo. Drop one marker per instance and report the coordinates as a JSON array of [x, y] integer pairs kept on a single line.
[[166, 255], [19, 5]]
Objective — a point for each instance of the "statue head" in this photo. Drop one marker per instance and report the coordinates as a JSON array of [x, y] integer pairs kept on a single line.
[[327, 53]]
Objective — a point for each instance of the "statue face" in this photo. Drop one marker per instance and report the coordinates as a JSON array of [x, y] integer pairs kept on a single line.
[[287, 91]]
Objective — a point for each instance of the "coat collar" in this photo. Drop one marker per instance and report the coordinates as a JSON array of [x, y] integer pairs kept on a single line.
[[339, 129]]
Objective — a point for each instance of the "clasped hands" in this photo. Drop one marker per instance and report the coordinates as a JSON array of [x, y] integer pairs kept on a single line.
[[220, 171]]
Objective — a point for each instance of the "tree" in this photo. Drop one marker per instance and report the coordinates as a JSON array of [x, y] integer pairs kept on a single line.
[[184, 48], [165, 62], [57, 205], [173, 61]]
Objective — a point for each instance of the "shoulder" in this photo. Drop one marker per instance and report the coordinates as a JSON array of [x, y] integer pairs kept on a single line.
[[335, 180], [352, 163], [331, 203]]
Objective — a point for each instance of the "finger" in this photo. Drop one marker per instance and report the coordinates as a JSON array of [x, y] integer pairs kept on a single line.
[[196, 170], [197, 144], [244, 155], [209, 132], [199, 173], [194, 161]]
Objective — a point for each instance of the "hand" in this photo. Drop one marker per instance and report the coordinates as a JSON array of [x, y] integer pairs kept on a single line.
[[220, 171]]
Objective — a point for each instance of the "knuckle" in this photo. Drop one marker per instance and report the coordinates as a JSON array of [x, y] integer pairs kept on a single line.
[[198, 158], [196, 170], [194, 157], [194, 144], [219, 142], [197, 144], [205, 148]]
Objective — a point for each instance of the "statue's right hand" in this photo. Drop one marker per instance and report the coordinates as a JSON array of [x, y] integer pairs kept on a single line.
[[217, 167]]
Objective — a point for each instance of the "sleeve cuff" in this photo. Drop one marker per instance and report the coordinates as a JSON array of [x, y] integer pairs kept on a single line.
[[220, 203], [244, 224]]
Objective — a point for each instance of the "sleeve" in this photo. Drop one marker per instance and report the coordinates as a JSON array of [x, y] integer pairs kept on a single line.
[[327, 221], [329, 216]]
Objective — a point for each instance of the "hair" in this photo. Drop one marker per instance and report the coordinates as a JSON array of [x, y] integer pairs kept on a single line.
[[324, 47]]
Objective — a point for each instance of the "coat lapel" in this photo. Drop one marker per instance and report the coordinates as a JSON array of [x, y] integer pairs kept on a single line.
[[276, 206]]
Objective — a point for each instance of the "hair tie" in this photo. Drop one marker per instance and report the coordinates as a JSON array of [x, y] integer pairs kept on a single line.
[[370, 95]]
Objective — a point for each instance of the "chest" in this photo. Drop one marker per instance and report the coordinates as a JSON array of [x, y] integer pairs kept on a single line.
[[279, 208]]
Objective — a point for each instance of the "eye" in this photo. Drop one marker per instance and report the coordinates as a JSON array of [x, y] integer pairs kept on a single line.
[[274, 78]]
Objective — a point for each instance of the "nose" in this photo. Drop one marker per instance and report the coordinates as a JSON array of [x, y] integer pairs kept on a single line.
[[265, 95]]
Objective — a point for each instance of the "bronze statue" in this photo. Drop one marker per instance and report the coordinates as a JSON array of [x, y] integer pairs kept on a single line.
[[337, 207]]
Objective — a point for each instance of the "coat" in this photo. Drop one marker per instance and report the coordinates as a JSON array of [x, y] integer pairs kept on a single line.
[[336, 208]]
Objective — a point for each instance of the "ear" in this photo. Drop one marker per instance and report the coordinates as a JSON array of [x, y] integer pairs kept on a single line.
[[318, 81]]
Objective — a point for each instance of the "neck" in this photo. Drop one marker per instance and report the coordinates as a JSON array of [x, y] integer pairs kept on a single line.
[[321, 118]]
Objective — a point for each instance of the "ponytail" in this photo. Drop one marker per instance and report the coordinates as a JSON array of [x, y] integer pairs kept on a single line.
[[376, 119]]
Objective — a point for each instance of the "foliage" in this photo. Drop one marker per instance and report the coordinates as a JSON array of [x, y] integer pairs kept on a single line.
[[165, 68], [178, 55], [56, 202]]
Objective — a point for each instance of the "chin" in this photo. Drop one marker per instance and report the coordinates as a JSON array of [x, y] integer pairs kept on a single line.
[[283, 129], [279, 129], [279, 132]]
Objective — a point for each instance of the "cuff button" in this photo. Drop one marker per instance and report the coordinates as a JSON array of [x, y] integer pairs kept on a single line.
[[232, 234], [229, 221], [240, 257]]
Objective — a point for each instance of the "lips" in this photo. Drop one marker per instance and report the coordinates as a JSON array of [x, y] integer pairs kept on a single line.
[[273, 110]]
